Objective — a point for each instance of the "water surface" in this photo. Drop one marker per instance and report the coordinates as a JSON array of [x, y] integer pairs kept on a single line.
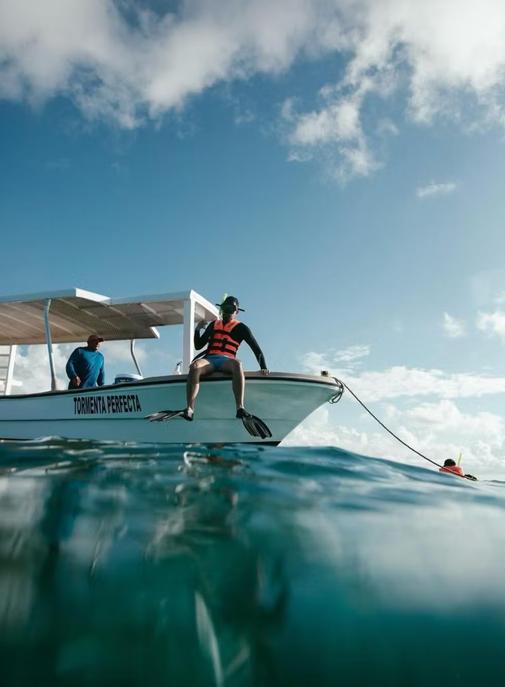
[[154, 565]]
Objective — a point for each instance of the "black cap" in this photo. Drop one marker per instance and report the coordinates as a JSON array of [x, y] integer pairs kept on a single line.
[[95, 337], [230, 300]]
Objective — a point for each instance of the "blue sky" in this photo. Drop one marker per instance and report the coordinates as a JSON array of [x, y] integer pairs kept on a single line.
[[337, 166]]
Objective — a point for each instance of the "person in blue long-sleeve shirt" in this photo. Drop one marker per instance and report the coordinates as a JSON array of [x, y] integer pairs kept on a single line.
[[86, 367]]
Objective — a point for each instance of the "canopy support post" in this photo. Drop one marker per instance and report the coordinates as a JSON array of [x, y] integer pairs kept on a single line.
[[135, 362], [10, 371], [7, 358], [49, 344], [188, 349]]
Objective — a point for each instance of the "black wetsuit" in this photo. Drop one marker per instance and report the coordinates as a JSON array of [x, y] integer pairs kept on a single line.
[[239, 333]]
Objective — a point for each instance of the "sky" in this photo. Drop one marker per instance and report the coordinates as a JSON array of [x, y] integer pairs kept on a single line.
[[338, 165]]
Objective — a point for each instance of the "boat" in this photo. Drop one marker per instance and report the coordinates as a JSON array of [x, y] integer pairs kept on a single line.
[[122, 411]]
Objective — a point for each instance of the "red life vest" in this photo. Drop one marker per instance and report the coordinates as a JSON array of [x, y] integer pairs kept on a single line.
[[455, 469], [221, 342]]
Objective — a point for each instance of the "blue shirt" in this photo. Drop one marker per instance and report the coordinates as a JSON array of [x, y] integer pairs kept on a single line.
[[88, 365]]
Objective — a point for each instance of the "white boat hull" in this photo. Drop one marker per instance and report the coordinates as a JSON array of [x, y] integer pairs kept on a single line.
[[119, 412]]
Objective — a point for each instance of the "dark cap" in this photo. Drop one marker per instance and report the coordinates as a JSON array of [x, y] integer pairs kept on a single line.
[[94, 337], [230, 300]]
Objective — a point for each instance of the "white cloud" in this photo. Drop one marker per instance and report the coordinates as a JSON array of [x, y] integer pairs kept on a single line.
[[386, 127], [128, 69], [345, 359], [31, 368], [453, 327], [434, 189], [339, 122], [352, 353], [336, 125], [395, 45], [435, 425], [445, 416], [400, 381], [437, 430], [485, 285], [120, 61], [492, 323]]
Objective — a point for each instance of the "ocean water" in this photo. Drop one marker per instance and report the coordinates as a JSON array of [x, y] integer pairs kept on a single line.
[[152, 565]]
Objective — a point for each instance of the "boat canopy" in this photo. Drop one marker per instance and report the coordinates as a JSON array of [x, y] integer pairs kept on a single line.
[[74, 314], [71, 316]]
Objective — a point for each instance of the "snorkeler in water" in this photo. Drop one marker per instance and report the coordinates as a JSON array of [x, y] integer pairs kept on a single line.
[[453, 468]]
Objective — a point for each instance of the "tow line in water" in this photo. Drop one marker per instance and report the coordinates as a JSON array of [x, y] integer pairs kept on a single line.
[[337, 398]]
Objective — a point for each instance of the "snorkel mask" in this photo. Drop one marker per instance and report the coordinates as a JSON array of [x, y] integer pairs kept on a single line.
[[229, 305]]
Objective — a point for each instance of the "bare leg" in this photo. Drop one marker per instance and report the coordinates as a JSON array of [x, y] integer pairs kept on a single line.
[[234, 367], [199, 368]]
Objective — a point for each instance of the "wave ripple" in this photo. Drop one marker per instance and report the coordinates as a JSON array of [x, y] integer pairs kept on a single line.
[[145, 564]]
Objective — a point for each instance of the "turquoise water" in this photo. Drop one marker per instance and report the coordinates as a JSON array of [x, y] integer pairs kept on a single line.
[[154, 565]]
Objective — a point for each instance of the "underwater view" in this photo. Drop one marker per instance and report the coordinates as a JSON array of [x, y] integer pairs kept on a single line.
[[184, 565]]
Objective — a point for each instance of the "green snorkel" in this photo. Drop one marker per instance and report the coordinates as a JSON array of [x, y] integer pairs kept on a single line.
[[225, 296]]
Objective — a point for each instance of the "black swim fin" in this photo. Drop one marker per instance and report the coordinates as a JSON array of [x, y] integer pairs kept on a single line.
[[254, 425], [163, 415]]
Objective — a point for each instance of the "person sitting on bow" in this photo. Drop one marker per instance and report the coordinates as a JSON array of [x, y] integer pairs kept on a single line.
[[222, 338]]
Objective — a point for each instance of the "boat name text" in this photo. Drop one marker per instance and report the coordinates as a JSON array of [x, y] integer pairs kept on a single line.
[[98, 405]]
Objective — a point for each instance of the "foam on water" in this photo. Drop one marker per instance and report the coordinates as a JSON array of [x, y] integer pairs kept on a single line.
[[147, 564]]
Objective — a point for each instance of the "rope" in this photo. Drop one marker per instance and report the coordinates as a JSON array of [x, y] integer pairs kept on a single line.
[[411, 448]]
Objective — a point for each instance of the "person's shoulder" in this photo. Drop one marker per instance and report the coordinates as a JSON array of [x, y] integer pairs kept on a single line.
[[244, 327]]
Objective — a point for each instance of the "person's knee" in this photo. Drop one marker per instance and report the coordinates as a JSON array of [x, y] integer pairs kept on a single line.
[[237, 367], [194, 370]]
